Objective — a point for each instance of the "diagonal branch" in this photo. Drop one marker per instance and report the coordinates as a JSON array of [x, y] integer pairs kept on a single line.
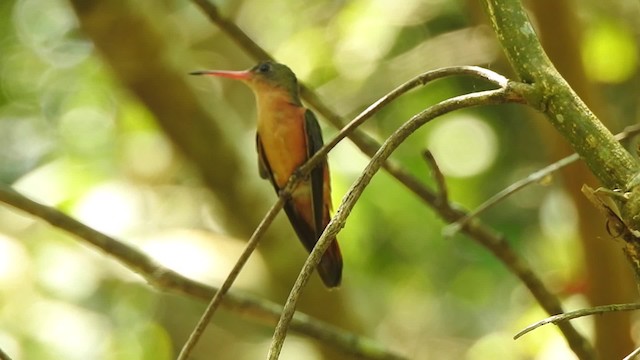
[[537, 176], [555, 319], [632, 355], [454, 228], [441, 184], [4, 356], [251, 308]]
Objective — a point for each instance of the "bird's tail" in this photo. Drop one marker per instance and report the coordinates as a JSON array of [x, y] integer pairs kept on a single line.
[[330, 266]]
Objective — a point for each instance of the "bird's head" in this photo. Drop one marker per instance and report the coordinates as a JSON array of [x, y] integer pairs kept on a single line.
[[264, 77]]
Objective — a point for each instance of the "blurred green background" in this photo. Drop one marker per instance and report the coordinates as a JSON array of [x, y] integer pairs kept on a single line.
[[82, 130]]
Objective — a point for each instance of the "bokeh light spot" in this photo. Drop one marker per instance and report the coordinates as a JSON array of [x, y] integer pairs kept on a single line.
[[113, 208], [204, 256], [69, 331], [558, 216], [48, 28], [463, 146], [609, 53]]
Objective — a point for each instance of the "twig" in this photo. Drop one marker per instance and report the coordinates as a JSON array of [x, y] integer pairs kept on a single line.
[[628, 132], [242, 260], [4, 356], [555, 319], [351, 197], [633, 354], [232, 30], [443, 195], [252, 308], [453, 228]]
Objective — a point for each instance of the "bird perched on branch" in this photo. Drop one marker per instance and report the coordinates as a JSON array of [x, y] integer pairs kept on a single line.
[[288, 135]]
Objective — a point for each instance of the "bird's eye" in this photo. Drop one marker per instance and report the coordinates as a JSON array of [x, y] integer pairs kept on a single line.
[[265, 67]]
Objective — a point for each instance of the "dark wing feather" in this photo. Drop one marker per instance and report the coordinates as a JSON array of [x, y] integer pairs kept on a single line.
[[263, 164], [330, 267], [314, 143]]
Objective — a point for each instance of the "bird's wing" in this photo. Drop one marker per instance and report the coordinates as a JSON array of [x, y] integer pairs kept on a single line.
[[263, 164], [306, 231], [314, 143]]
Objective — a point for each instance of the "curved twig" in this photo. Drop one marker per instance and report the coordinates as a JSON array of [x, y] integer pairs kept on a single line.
[[4, 356], [537, 176], [420, 80], [453, 228], [633, 354], [350, 198], [555, 319], [438, 176]]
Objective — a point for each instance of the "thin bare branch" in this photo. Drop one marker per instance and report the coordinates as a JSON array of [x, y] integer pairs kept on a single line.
[[628, 132], [453, 228], [351, 197], [633, 354], [555, 319], [232, 30], [252, 308], [4, 356], [441, 185]]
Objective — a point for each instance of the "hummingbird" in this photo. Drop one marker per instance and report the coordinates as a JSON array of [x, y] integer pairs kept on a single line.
[[288, 134]]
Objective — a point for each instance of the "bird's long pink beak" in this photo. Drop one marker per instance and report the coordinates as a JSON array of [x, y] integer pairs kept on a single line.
[[238, 75]]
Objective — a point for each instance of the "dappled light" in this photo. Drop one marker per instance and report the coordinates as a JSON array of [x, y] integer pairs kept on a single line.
[[100, 121]]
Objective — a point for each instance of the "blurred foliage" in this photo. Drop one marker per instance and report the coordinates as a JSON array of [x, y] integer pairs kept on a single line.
[[74, 138]]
